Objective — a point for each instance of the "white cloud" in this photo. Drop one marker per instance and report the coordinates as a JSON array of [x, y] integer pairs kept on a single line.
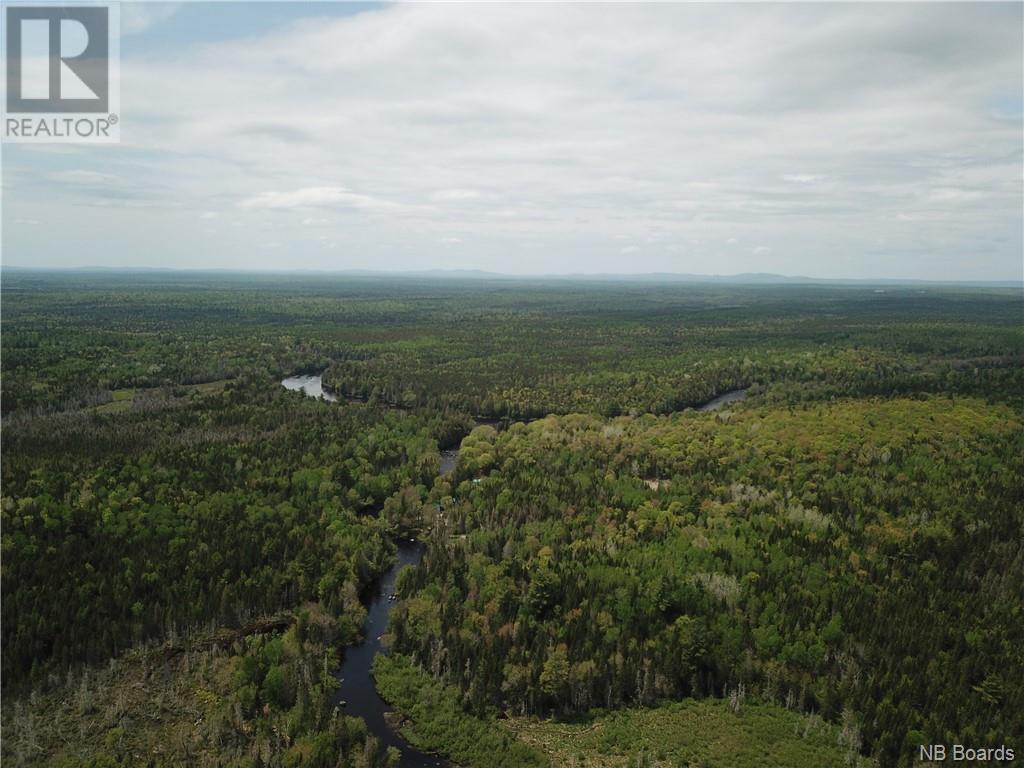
[[954, 195], [316, 197], [540, 132], [80, 176], [139, 16], [447, 195]]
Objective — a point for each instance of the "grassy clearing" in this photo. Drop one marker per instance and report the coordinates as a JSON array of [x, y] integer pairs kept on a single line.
[[122, 399], [693, 733], [436, 722], [705, 733]]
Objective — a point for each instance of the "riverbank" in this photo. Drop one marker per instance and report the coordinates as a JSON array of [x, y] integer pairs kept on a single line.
[[432, 717], [708, 732], [357, 692]]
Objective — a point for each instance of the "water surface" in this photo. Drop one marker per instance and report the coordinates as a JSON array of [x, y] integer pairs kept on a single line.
[[723, 399], [311, 385], [448, 460], [358, 691]]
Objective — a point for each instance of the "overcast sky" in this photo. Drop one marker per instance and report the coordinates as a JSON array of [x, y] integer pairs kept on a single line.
[[867, 140]]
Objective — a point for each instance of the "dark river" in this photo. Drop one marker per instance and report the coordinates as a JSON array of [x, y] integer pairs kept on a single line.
[[312, 386], [448, 460], [723, 399], [357, 690]]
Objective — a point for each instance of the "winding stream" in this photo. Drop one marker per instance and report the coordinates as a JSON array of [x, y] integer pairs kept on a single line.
[[724, 399], [357, 694], [312, 386]]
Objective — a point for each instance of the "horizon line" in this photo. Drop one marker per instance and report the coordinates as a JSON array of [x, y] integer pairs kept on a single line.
[[481, 274]]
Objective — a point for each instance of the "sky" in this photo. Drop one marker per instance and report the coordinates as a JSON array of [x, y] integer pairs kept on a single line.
[[868, 140]]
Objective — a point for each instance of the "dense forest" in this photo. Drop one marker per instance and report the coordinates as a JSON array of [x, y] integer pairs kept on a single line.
[[178, 514], [841, 549], [824, 557]]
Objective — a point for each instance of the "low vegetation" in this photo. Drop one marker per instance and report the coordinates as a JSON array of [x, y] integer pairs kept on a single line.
[[709, 733], [435, 721], [225, 699]]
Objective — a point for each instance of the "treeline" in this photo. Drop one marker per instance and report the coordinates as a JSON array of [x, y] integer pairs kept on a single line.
[[860, 560], [527, 388]]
